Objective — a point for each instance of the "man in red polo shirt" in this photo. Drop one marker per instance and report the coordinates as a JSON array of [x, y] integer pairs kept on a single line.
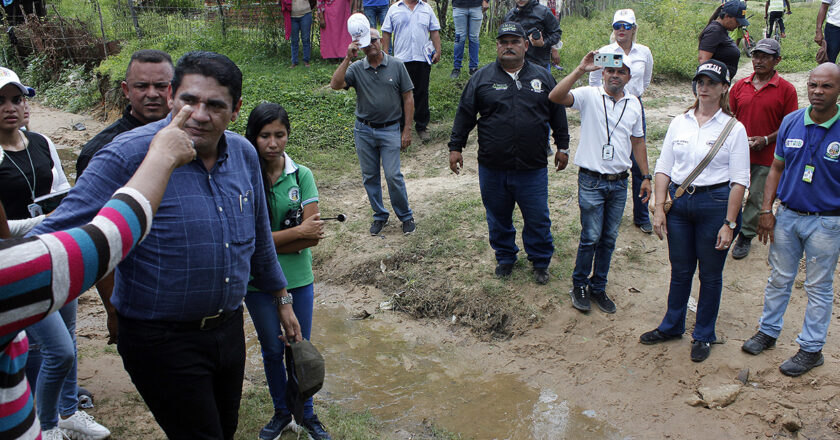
[[760, 102]]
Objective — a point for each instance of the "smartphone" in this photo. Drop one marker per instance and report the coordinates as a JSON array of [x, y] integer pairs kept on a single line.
[[608, 59]]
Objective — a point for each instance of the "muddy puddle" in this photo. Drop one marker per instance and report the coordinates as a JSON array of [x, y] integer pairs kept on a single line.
[[404, 380]]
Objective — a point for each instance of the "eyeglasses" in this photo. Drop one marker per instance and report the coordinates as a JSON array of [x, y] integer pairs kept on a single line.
[[622, 25]]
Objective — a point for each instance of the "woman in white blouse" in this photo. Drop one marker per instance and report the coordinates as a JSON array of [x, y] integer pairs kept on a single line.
[[640, 60], [702, 222]]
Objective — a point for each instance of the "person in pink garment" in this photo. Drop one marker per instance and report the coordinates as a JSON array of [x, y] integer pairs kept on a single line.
[[332, 17]]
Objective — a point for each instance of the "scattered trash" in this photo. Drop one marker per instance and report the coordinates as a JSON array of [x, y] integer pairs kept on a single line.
[[382, 266], [85, 398], [386, 305], [454, 319], [589, 413], [634, 290], [744, 376], [79, 126], [692, 304]]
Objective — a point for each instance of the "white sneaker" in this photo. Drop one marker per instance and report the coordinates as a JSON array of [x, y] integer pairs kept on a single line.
[[81, 426], [53, 434]]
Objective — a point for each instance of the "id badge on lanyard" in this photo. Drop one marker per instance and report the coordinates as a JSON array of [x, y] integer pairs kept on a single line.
[[607, 152], [810, 168]]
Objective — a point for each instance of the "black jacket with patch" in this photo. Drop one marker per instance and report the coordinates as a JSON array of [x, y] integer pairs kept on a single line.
[[535, 15]]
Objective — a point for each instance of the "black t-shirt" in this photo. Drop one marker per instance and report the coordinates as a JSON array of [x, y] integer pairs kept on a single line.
[[715, 39], [15, 192]]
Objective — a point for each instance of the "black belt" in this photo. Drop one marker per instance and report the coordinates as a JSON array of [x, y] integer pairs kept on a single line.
[[693, 189], [832, 213], [372, 124], [608, 177], [205, 323]]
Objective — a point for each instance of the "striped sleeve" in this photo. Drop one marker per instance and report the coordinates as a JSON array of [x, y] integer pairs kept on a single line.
[[38, 275], [17, 411]]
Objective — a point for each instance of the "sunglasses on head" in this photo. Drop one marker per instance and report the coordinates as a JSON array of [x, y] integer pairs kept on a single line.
[[622, 25]]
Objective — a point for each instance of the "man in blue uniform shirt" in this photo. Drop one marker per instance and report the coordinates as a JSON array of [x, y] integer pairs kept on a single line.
[[805, 176]]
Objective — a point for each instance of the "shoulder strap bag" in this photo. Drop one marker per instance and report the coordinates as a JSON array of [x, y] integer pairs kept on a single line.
[[697, 170]]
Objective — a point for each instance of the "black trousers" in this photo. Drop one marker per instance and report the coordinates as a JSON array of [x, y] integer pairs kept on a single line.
[[775, 16], [191, 380], [419, 72]]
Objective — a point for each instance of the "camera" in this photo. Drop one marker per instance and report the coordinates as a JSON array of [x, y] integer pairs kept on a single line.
[[535, 33], [293, 218]]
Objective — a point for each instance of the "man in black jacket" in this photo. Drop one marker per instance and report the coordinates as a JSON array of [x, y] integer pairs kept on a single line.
[[534, 16], [511, 95]]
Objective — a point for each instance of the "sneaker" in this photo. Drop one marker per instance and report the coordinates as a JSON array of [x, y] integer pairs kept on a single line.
[[655, 336], [758, 343], [603, 301], [278, 424], [541, 275], [408, 226], [376, 226], [473, 70], [741, 249], [455, 73], [580, 298], [700, 350], [647, 228], [503, 270], [424, 135], [53, 434], [801, 363], [81, 426], [315, 429]]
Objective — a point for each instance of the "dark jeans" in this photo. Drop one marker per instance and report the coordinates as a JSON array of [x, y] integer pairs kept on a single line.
[[775, 16], [693, 224], [501, 190], [601, 207], [191, 380], [376, 15], [419, 72], [832, 41], [641, 214]]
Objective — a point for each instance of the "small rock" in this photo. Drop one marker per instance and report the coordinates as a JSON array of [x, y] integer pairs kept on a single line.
[[791, 422], [695, 401], [744, 376], [721, 396], [361, 315]]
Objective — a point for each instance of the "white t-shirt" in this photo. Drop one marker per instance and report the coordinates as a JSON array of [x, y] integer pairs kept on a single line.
[[833, 14], [640, 61], [591, 101], [686, 144]]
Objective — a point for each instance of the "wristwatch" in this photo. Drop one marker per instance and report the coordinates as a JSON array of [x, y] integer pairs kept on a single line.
[[647, 177], [282, 300], [732, 225], [566, 151]]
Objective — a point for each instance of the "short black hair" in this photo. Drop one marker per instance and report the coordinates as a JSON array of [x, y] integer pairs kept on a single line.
[[213, 65], [148, 56]]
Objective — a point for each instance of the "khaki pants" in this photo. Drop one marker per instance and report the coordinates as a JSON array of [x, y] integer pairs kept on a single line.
[[758, 175]]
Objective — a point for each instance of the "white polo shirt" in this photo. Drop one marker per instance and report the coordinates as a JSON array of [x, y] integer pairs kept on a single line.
[[832, 16], [594, 123], [686, 144]]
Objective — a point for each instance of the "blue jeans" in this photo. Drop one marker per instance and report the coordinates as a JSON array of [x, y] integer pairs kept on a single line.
[[819, 238], [693, 224], [376, 15], [832, 41], [375, 145], [301, 27], [467, 25], [601, 207], [55, 384], [641, 214], [264, 315], [500, 190]]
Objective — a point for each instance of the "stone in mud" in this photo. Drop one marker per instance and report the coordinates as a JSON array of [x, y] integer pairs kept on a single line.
[[791, 422], [720, 396], [744, 376]]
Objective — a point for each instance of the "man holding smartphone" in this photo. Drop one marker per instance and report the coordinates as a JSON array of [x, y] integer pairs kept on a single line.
[[610, 128]]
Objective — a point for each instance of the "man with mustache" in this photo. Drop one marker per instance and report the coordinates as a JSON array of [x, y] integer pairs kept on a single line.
[[760, 101], [179, 293], [610, 127], [805, 176], [511, 97]]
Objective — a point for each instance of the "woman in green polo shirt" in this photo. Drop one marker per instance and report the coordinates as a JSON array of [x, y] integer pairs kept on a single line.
[[296, 225]]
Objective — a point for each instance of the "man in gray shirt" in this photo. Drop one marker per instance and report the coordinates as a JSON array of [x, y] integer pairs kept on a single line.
[[383, 99]]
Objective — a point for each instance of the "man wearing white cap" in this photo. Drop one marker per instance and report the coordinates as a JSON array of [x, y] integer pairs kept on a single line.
[[383, 98]]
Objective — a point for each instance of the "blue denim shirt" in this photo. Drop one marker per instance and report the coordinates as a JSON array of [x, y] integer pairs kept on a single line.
[[210, 232]]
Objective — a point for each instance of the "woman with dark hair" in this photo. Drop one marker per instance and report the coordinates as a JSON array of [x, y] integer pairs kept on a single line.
[[703, 220], [715, 42], [296, 225]]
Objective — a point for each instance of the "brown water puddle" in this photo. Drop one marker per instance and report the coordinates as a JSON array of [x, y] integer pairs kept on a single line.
[[403, 381]]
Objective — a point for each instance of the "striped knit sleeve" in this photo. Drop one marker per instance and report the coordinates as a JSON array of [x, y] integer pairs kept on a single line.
[[38, 275]]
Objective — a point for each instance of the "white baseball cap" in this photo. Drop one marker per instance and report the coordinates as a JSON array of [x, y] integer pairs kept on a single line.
[[625, 15], [7, 76], [359, 28]]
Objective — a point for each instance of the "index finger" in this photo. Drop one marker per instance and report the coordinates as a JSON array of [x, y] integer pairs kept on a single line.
[[181, 118]]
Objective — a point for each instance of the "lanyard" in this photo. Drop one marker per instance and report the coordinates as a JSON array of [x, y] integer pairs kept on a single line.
[[607, 121], [817, 145], [34, 177]]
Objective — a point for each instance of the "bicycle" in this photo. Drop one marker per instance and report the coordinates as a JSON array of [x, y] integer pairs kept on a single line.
[[749, 43], [774, 31]]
